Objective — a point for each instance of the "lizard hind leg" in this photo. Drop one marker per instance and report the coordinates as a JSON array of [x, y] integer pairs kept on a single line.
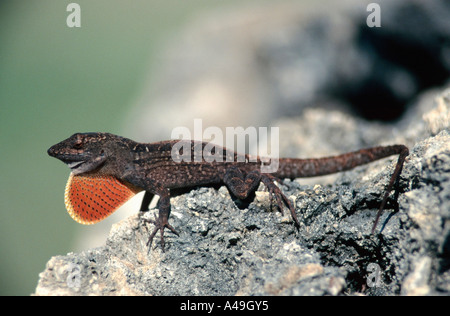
[[274, 190], [403, 153], [242, 186]]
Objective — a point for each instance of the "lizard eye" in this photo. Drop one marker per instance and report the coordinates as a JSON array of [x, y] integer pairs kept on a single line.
[[78, 144]]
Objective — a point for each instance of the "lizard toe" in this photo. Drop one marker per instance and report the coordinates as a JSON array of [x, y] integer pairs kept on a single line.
[[160, 225]]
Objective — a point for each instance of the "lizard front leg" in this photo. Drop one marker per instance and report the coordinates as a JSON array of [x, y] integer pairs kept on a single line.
[[162, 220], [148, 197]]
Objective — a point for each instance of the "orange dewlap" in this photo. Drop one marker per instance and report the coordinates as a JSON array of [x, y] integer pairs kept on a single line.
[[90, 199]]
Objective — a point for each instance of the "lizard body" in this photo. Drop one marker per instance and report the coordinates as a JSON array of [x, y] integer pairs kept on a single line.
[[108, 169]]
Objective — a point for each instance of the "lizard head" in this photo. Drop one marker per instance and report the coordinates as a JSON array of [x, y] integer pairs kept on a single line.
[[93, 191], [82, 152]]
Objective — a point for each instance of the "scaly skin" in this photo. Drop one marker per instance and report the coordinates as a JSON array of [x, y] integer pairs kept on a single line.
[[152, 168]]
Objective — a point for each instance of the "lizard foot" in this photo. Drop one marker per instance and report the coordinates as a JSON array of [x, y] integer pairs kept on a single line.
[[160, 224], [274, 190]]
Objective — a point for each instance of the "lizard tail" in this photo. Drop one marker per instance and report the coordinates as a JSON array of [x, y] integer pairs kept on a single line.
[[299, 168]]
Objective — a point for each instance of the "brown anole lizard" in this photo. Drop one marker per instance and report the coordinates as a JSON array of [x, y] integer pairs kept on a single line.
[[107, 170]]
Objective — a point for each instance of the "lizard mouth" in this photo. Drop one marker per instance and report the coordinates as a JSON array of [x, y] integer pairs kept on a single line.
[[75, 164], [78, 163], [83, 166]]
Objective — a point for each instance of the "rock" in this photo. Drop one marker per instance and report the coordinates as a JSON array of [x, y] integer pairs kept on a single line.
[[416, 283], [231, 248]]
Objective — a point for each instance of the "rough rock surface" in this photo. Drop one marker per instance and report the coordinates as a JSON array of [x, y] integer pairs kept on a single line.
[[227, 248]]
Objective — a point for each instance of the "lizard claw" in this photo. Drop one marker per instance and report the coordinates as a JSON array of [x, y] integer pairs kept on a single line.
[[274, 190], [160, 224]]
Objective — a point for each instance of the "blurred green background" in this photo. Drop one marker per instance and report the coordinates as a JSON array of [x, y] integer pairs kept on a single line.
[[54, 81]]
